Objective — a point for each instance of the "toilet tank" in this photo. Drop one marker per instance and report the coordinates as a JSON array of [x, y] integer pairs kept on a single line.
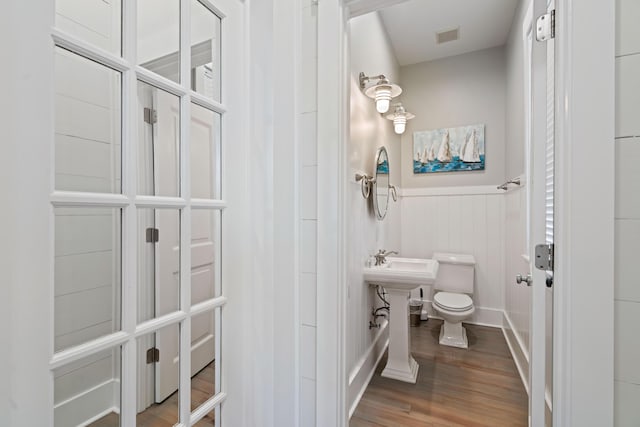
[[455, 272]]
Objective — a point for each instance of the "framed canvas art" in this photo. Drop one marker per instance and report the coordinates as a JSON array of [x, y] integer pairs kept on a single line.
[[449, 149]]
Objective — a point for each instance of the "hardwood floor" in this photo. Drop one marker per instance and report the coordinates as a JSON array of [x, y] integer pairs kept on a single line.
[[479, 386], [165, 414]]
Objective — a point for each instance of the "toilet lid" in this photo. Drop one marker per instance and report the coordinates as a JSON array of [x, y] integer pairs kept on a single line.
[[452, 301]]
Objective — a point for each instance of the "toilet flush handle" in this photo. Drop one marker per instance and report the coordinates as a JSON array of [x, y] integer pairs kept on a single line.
[[527, 279]]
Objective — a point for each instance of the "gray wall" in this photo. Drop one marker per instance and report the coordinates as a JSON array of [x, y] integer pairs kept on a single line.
[[514, 53], [460, 90]]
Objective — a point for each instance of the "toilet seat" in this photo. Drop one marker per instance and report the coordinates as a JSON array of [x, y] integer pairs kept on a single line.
[[452, 301]]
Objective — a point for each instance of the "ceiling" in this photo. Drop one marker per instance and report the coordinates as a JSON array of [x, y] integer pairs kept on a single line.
[[412, 25]]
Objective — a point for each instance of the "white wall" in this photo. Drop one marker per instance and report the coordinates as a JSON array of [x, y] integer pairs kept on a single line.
[[371, 53], [457, 91], [627, 214]]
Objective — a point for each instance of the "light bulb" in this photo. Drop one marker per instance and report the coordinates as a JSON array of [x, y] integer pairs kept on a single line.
[[382, 105], [383, 98], [399, 123], [399, 127]]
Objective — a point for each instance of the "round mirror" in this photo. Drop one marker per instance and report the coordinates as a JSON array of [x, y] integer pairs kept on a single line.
[[381, 183]]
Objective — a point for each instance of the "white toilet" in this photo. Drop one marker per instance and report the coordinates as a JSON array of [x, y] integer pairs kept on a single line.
[[452, 296]]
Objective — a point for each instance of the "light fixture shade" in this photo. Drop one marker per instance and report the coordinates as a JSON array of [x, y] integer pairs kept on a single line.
[[399, 124], [382, 92], [400, 117]]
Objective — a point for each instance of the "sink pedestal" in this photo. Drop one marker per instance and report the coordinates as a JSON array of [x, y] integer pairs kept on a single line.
[[400, 364]]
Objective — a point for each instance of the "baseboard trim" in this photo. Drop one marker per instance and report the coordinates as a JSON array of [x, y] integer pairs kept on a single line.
[[521, 357], [87, 406], [363, 371], [518, 352]]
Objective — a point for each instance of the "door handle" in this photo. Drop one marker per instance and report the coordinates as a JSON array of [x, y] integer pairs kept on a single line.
[[527, 279]]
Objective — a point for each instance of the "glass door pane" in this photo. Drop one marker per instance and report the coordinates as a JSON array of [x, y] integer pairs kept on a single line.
[[158, 378], [158, 262], [205, 51], [87, 274], [88, 125], [87, 392], [205, 153], [159, 37], [158, 142]]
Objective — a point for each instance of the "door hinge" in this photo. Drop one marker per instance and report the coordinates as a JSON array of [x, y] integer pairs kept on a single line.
[[150, 116], [153, 355], [544, 257], [546, 26], [153, 235]]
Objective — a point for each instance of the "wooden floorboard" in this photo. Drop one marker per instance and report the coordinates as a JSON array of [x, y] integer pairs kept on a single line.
[[479, 386], [165, 414]]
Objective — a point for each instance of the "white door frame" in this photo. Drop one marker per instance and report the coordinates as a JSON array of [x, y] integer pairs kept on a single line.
[[584, 206], [584, 135]]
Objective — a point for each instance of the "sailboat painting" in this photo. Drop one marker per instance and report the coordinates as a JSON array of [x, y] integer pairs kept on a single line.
[[449, 149]]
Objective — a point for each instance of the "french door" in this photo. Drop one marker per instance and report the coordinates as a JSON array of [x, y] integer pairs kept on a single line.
[[147, 156]]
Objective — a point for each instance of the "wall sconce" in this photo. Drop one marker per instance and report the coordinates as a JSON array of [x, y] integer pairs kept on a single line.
[[400, 117], [382, 92]]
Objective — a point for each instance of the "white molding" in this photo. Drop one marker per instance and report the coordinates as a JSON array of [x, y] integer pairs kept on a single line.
[[80, 47], [451, 191], [332, 101], [73, 410], [365, 368], [518, 352]]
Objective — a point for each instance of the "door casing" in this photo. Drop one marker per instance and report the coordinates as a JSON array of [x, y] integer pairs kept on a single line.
[[573, 306]]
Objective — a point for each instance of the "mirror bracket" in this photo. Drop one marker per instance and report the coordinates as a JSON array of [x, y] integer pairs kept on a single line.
[[366, 182]]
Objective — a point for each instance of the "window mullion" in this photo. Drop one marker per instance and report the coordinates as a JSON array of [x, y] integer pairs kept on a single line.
[[85, 50], [185, 218], [129, 230]]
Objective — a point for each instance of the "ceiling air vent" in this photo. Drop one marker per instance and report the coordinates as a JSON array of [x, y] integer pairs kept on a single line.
[[447, 36]]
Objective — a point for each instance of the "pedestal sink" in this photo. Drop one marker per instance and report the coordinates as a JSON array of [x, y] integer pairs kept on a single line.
[[399, 276]]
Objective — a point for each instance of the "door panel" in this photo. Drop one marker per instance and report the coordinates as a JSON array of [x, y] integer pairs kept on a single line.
[[541, 219]]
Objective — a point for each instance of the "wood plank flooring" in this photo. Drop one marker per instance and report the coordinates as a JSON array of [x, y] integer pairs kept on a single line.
[[479, 386], [165, 414]]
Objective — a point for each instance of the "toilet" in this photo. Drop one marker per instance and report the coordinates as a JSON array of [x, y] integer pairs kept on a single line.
[[452, 301]]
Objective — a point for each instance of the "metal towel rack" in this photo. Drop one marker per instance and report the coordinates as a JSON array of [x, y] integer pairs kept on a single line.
[[504, 186]]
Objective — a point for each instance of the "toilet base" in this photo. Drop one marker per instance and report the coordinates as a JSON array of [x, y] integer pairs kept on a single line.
[[453, 335]]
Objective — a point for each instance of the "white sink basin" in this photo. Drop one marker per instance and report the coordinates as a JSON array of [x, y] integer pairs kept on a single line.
[[402, 273]]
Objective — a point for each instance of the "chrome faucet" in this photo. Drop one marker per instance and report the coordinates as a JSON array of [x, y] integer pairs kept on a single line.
[[381, 256]]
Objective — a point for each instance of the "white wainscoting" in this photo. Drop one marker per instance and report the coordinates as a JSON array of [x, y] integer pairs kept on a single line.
[[467, 220]]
